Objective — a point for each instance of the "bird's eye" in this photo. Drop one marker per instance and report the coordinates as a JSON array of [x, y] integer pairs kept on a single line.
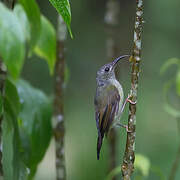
[[107, 69]]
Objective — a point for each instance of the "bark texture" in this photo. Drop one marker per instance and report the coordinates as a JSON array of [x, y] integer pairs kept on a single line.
[[59, 127], [111, 20], [129, 155]]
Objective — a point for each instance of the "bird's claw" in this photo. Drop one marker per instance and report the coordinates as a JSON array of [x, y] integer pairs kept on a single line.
[[130, 101], [125, 126], [127, 130]]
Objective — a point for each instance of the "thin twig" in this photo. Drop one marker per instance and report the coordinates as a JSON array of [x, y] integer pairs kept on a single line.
[[112, 150], [59, 128], [175, 165], [9, 3], [177, 159], [13, 3], [129, 155], [112, 19]]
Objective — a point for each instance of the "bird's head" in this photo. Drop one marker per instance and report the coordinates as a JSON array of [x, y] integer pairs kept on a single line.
[[106, 72]]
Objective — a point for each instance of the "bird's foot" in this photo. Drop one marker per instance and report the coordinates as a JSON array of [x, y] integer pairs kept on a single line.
[[125, 126], [130, 101]]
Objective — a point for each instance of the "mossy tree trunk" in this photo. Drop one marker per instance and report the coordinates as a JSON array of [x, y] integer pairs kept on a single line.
[[59, 127], [129, 155], [111, 22]]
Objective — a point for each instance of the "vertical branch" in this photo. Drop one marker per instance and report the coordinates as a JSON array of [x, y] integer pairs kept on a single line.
[[9, 3], [111, 19], [129, 155], [175, 165], [177, 159], [59, 128], [112, 150]]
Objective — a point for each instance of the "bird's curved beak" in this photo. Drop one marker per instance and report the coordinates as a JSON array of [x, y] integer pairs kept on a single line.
[[117, 59]]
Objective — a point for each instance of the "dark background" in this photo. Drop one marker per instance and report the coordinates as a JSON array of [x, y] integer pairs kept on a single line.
[[157, 136]]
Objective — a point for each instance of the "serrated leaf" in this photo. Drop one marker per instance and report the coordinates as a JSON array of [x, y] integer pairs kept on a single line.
[[46, 45], [12, 41], [168, 63], [178, 82], [35, 124], [12, 165], [33, 13], [143, 164], [63, 8], [21, 15]]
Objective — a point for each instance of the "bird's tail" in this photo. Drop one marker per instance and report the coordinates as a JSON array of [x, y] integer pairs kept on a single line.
[[99, 144]]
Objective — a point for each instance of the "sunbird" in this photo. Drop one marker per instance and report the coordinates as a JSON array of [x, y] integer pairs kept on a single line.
[[108, 101]]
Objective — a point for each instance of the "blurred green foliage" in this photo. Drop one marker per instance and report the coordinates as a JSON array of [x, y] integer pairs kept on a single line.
[[12, 164], [26, 112], [26, 122], [46, 45], [39, 33], [175, 80], [12, 41], [34, 125], [143, 164], [33, 15]]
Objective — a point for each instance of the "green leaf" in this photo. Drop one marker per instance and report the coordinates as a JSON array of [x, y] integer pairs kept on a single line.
[[63, 8], [168, 63], [12, 41], [13, 168], [34, 123], [46, 45], [143, 164], [33, 13], [8, 149], [178, 82], [21, 15], [11, 96]]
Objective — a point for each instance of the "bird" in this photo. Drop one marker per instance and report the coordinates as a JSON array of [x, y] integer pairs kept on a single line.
[[108, 101]]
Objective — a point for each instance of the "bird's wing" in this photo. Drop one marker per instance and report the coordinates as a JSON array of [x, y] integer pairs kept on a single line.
[[107, 105]]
